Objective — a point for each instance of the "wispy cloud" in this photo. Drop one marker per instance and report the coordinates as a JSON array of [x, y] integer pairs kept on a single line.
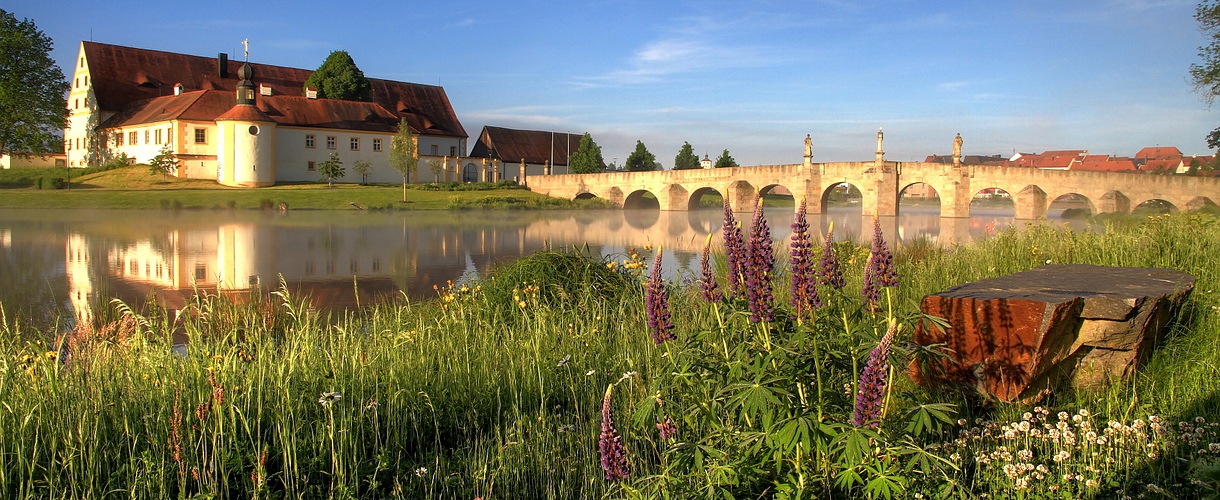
[[953, 86], [464, 23], [1150, 4]]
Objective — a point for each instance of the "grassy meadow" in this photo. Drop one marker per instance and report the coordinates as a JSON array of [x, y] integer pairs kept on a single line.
[[134, 188], [500, 389]]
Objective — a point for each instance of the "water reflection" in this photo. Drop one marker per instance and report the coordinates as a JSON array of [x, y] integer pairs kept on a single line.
[[65, 263]]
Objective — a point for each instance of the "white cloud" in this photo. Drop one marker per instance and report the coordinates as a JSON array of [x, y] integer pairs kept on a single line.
[[464, 23]]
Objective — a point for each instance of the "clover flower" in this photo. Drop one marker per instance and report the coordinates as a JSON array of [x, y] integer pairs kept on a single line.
[[708, 288], [610, 444], [759, 267], [734, 249], [829, 272], [870, 394], [804, 278], [880, 271], [656, 301]]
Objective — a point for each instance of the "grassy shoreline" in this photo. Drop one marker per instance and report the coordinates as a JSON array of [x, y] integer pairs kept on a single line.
[[494, 390]]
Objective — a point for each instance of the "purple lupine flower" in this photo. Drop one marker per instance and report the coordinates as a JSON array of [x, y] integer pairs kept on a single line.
[[610, 444], [708, 288], [829, 272], [758, 267], [870, 394], [804, 278], [734, 249], [666, 429], [656, 302], [880, 271]]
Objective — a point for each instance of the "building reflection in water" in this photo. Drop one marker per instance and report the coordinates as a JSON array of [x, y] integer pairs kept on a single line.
[[339, 261]]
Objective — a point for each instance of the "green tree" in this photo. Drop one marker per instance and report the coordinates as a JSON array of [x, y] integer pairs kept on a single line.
[[724, 160], [587, 159], [364, 168], [33, 90], [1206, 76], [686, 159], [640, 159], [402, 154], [339, 78], [437, 169], [331, 169], [164, 163]]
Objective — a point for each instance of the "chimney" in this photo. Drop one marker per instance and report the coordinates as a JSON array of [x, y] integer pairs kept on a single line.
[[222, 65], [311, 93]]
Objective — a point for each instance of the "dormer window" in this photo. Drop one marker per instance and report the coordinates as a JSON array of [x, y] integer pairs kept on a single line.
[[177, 88], [311, 93], [264, 89]]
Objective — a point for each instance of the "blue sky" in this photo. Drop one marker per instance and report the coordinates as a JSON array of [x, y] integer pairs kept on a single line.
[[754, 77]]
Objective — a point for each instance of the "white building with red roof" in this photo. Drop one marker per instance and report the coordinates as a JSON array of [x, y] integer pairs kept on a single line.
[[133, 101]]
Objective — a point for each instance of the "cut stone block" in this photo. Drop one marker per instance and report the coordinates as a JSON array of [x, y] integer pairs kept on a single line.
[[1018, 337]]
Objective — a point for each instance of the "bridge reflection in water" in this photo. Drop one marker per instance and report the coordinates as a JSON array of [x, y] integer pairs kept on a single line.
[[341, 260]]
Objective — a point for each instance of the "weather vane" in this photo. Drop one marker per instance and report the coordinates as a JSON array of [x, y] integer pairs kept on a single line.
[[246, 44]]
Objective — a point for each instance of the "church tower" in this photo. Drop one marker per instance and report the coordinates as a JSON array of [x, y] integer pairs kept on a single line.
[[245, 150]]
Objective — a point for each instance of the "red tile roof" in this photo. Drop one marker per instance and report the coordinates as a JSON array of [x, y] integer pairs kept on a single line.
[[1104, 166], [1159, 153], [535, 146], [122, 76], [1170, 166]]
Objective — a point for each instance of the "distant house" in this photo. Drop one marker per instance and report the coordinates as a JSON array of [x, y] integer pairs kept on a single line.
[[1103, 165], [243, 124], [33, 160], [997, 160], [1159, 153], [537, 148]]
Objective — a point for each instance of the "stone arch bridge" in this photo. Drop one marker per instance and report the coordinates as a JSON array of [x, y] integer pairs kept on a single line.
[[882, 182]]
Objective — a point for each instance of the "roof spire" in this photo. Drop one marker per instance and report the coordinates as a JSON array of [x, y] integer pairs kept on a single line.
[[246, 48]]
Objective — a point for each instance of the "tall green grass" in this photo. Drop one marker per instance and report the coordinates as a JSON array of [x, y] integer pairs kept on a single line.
[[494, 389]]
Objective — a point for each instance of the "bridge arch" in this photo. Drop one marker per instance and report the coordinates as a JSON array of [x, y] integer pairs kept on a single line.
[[641, 199], [1199, 202], [1070, 205], [695, 201], [778, 193], [842, 192], [994, 201], [919, 197], [1155, 206]]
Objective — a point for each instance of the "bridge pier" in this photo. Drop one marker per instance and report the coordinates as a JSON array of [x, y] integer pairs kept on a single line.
[[1115, 202], [1030, 203]]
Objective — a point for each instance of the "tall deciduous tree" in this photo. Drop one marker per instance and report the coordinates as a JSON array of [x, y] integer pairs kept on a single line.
[[640, 159], [339, 78], [587, 159], [33, 101], [686, 159], [402, 154], [1206, 76], [364, 168], [331, 169], [724, 160]]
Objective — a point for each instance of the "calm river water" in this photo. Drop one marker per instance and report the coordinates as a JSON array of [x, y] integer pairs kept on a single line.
[[57, 265]]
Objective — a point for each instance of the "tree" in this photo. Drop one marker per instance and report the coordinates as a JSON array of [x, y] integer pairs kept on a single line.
[[364, 168], [164, 163], [437, 169], [339, 78], [33, 90], [1206, 76], [587, 159], [724, 160], [331, 169], [402, 154], [640, 159], [686, 159]]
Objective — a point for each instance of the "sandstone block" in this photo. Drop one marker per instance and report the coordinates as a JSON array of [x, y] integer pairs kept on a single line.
[[1020, 336]]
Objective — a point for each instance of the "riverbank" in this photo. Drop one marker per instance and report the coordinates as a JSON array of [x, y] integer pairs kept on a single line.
[[134, 188], [498, 389]]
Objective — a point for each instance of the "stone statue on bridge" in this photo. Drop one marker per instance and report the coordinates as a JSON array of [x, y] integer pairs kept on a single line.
[[957, 149]]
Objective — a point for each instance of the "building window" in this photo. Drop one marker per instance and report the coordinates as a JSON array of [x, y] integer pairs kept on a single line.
[[76, 104], [376, 145], [146, 137], [311, 166], [330, 267], [452, 150], [118, 139], [252, 279], [355, 143], [330, 142], [82, 62], [355, 266], [86, 80], [309, 141], [133, 138], [201, 136], [201, 272], [309, 270], [76, 83], [157, 136], [376, 264], [433, 150]]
